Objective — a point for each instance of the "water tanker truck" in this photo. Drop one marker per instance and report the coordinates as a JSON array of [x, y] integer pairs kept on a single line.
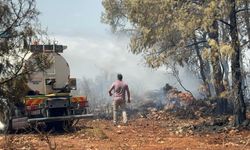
[[49, 98]]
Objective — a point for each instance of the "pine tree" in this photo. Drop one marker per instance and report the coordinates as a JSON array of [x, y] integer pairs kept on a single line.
[[170, 32]]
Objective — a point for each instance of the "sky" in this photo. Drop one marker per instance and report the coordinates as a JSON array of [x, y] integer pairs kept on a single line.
[[92, 48]]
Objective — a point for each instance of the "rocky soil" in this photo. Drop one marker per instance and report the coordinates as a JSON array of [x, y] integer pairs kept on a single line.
[[155, 130]]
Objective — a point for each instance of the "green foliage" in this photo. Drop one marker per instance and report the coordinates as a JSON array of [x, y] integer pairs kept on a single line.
[[170, 32], [226, 50], [18, 26], [162, 29]]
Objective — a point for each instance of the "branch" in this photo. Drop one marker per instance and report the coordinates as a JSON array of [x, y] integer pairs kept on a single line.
[[17, 72], [163, 50], [13, 77], [243, 9], [196, 43], [176, 75], [226, 23], [245, 43], [14, 22]]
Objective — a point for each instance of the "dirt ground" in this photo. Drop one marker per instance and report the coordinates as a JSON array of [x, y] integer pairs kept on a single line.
[[163, 132]]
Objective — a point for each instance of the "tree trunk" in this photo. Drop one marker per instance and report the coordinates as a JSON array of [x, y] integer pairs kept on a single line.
[[238, 99], [215, 61], [225, 60], [202, 70], [246, 18]]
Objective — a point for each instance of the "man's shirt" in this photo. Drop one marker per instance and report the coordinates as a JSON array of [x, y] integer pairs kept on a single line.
[[120, 88]]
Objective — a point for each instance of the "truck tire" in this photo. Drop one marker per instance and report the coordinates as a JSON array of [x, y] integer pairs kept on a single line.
[[58, 125], [5, 117]]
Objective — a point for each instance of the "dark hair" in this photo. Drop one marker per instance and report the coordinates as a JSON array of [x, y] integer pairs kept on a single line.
[[119, 76]]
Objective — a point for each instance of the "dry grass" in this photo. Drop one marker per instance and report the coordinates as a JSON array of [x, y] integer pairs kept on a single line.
[[46, 137]]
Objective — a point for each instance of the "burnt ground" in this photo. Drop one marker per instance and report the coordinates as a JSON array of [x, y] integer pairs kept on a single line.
[[157, 130]]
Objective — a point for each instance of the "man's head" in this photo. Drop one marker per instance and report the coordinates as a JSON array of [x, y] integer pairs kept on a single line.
[[119, 76]]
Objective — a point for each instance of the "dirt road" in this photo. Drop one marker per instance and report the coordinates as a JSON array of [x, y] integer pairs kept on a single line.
[[142, 133]]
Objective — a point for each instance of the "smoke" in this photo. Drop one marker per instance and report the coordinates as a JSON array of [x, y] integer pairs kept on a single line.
[[189, 80], [92, 57], [1, 126]]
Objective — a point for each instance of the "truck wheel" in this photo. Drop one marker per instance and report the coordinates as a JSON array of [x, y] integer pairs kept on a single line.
[[52, 126], [67, 125], [5, 115], [58, 125]]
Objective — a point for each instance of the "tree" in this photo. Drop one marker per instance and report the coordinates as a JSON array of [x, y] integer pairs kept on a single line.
[[164, 31], [17, 27], [170, 32], [239, 104]]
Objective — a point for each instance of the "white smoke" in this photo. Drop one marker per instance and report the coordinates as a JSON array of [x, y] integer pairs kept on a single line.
[[1, 126], [90, 56]]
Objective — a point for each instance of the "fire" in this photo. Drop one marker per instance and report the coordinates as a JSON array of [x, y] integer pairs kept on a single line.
[[186, 97], [178, 99]]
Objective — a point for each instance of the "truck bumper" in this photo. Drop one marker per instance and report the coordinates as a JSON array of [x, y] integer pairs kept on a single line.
[[60, 118]]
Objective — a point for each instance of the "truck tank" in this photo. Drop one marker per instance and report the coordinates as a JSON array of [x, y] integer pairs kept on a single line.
[[52, 79]]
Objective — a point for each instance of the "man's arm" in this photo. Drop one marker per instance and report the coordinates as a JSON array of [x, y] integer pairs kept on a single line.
[[110, 90], [128, 93]]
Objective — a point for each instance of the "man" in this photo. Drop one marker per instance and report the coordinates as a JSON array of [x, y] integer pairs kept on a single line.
[[119, 89]]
